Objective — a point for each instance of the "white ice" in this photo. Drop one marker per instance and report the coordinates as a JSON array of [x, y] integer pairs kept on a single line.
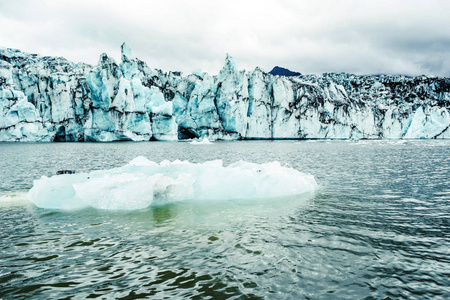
[[44, 98], [142, 183], [204, 141]]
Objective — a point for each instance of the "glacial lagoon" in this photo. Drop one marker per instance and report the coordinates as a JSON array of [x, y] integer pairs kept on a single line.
[[376, 227]]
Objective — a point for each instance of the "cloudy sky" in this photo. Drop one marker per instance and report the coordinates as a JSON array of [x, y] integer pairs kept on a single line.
[[363, 37]]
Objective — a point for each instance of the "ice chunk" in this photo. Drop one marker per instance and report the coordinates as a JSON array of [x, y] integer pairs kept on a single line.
[[57, 192], [18, 198], [116, 191], [428, 124], [204, 141], [142, 183]]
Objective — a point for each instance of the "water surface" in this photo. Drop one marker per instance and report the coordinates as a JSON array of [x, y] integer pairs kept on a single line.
[[378, 227]]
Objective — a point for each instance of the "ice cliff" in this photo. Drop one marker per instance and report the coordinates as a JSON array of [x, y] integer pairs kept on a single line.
[[52, 99]]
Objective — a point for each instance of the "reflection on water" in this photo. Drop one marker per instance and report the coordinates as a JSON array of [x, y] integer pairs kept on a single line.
[[378, 227]]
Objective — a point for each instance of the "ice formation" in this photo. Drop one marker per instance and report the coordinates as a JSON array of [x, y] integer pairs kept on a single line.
[[203, 141], [142, 183], [52, 99]]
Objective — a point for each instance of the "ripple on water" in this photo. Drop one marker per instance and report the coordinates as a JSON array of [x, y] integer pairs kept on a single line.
[[379, 227]]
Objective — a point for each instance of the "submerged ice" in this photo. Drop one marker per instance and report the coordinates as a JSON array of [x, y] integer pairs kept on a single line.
[[142, 183], [52, 99]]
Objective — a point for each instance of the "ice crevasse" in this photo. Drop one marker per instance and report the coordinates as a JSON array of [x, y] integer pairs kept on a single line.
[[142, 183], [53, 99]]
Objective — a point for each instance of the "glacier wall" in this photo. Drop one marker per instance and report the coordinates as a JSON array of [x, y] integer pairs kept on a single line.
[[52, 99]]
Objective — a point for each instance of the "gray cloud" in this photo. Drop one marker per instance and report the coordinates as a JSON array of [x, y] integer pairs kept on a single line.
[[364, 37]]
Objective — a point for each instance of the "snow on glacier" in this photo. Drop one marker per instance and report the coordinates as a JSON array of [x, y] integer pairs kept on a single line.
[[52, 99], [142, 183]]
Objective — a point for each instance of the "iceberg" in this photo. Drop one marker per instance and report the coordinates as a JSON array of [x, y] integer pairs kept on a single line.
[[49, 99], [142, 183], [203, 141]]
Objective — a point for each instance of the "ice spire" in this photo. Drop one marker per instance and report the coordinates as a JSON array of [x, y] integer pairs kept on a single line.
[[229, 68], [127, 55], [230, 64]]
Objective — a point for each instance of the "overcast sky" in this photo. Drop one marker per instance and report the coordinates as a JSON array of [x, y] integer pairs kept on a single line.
[[363, 37]]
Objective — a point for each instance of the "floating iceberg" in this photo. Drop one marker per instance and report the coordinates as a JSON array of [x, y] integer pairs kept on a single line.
[[204, 141], [142, 183]]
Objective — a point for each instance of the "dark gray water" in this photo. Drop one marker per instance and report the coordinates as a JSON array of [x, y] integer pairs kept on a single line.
[[378, 227]]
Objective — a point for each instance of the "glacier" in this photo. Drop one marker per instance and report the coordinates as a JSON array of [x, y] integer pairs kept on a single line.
[[142, 183], [50, 99]]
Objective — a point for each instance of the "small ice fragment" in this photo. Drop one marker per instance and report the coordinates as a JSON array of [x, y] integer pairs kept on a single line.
[[204, 141]]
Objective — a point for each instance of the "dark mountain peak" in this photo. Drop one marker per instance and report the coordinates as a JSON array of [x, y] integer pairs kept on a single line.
[[283, 72]]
